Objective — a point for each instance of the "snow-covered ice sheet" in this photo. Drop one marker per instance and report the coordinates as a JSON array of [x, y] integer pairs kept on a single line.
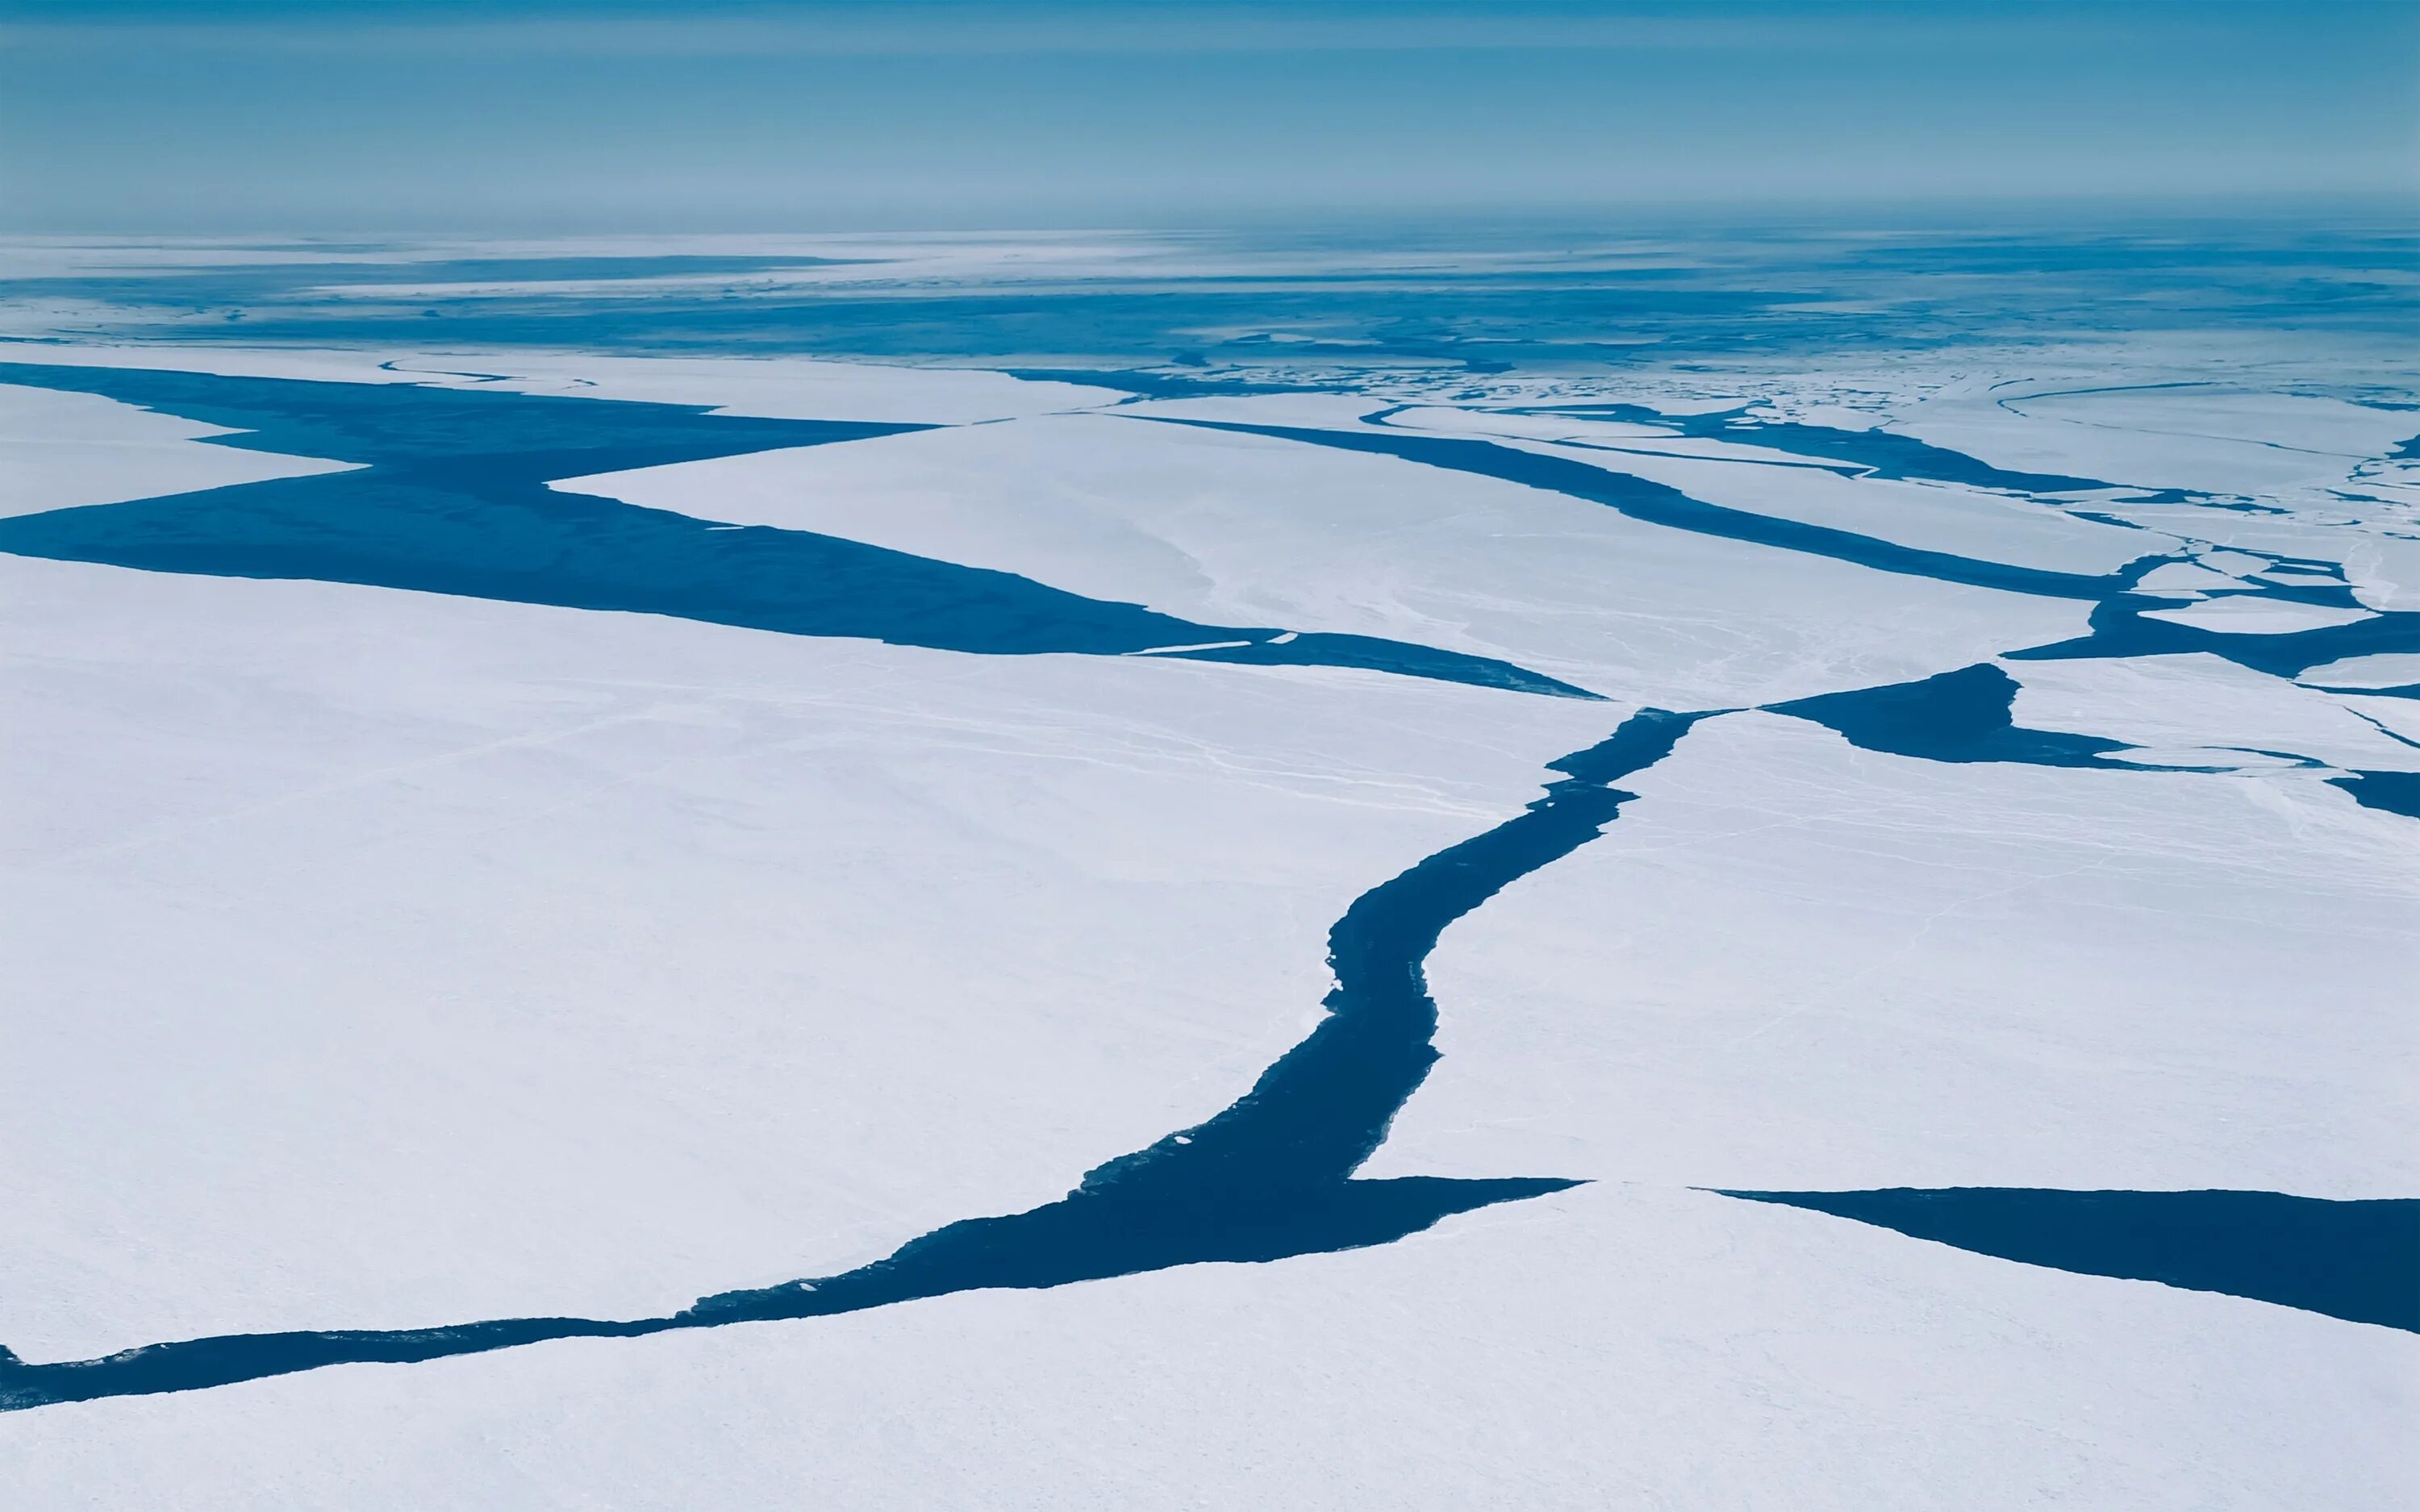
[[389, 960]]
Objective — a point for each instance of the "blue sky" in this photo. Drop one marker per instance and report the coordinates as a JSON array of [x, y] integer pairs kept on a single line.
[[525, 115]]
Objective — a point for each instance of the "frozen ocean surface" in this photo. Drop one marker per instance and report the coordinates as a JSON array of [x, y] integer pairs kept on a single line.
[[611, 839]]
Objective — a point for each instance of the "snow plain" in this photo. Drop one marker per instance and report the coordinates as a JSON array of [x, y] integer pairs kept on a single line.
[[385, 959]]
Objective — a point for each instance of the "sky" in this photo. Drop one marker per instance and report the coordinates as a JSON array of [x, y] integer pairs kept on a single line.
[[540, 117]]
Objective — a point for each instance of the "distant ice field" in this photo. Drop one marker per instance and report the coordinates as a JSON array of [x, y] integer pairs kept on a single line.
[[1170, 871]]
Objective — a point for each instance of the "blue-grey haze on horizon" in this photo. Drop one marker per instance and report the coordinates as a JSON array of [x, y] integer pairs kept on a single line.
[[305, 116]]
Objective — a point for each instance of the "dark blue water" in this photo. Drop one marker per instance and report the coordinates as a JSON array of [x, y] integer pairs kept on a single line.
[[2354, 1260], [455, 502], [2391, 792], [1963, 715], [1269, 1178]]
